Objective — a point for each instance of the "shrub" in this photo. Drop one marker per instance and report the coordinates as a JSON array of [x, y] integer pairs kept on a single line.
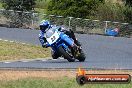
[[110, 11]]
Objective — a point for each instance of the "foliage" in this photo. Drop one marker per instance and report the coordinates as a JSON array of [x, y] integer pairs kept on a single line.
[[129, 3], [110, 11], [42, 4], [18, 18], [114, 12], [75, 8], [21, 5], [128, 14]]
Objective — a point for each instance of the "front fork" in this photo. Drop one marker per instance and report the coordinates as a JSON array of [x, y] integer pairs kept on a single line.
[[76, 51]]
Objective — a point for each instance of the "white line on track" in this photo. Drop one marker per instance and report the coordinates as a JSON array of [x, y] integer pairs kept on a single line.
[[43, 60], [24, 61], [27, 44], [61, 58], [11, 41], [14, 41], [5, 40], [6, 62], [54, 59], [23, 43]]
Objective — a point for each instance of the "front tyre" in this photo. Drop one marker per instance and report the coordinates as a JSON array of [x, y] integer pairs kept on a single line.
[[54, 55], [81, 57], [66, 54]]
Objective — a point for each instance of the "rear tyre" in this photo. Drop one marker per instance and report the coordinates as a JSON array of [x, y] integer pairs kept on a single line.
[[66, 55]]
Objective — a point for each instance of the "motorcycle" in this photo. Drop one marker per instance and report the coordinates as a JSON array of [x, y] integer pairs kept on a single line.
[[63, 46]]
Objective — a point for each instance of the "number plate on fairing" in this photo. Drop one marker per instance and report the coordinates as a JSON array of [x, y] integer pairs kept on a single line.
[[53, 38]]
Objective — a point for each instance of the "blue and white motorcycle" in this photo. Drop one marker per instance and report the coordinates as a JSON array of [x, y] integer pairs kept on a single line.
[[63, 46]]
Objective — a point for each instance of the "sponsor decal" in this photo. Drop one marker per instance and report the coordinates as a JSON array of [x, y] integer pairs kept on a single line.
[[83, 78]]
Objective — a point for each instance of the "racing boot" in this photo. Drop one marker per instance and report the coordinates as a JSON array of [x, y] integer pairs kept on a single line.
[[72, 35], [79, 45], [77, 42], [76, 51], [74, 38]]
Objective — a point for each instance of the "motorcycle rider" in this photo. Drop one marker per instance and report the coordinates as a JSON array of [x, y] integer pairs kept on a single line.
[[45, 25]]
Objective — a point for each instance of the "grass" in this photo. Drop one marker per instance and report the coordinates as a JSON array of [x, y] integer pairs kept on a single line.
[[53, 79], [64, 82], [17, 51]]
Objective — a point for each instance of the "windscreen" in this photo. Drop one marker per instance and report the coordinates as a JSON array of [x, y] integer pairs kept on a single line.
[[50, 32]]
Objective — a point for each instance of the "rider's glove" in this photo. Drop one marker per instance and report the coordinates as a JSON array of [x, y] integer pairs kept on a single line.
[[44, 45]]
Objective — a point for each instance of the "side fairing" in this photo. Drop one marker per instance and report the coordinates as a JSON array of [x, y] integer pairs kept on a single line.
[[66, 38]]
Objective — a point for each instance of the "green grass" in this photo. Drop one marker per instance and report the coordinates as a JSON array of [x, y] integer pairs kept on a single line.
[[17, 51], [55, 83]]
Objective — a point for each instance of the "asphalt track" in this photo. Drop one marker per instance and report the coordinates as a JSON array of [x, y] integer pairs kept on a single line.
[[102, 52]]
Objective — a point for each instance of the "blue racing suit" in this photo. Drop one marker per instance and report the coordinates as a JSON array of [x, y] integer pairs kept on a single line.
[[42, 39]]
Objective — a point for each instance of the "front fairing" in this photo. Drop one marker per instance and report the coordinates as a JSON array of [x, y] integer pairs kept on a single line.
[[52, 35], [69, 41], [61, 40]]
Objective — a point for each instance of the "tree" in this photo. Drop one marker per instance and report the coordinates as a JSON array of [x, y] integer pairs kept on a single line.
[[18, 19], [129, 2], [21, 5], [75, 8]]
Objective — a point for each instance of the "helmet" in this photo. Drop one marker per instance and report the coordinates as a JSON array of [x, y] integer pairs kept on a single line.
[[44, 25]]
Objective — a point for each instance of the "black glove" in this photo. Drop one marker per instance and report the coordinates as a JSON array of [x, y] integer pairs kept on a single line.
[[59, 29], [44, 46]]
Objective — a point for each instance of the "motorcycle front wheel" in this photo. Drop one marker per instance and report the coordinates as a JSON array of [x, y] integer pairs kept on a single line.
[[65, 54], [81, 57]]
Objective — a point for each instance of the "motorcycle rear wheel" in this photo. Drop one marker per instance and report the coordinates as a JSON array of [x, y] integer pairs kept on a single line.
[[65, 54]]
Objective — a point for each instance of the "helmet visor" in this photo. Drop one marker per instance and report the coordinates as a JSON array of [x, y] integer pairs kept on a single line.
[[43, 27]]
